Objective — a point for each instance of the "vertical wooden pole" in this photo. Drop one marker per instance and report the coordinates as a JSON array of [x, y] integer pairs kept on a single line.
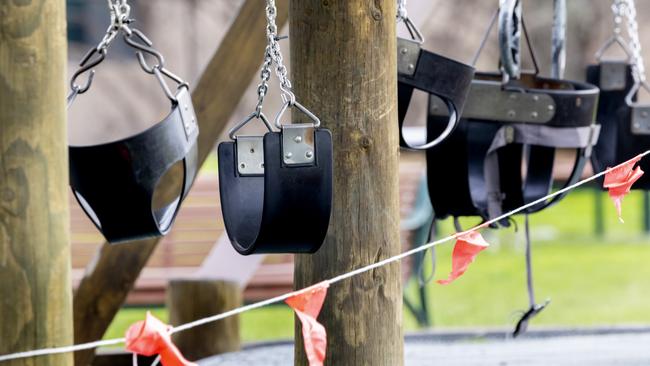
[[192, 299], [343, 61], [35, 294]]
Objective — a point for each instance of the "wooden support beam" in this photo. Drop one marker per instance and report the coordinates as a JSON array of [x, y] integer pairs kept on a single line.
[[115, 269], [189, 300], [35, 295], [343, 62]]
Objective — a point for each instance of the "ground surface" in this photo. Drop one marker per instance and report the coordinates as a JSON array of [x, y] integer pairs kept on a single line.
[[539, 348]]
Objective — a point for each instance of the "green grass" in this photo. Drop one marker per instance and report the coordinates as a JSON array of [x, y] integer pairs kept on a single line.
[[590, 280]]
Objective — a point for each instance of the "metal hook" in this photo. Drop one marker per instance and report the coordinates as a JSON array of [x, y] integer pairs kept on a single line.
[[629, 98], [84, 66], [288, 104], [245, 121], [146, 48], [614, 39], [415, 33]]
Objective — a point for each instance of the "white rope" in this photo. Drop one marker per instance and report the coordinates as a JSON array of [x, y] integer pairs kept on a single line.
[[210, 319]]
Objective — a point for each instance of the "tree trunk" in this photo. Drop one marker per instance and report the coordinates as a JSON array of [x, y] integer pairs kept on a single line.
[[343, 60], [35, 296], [189, 300]]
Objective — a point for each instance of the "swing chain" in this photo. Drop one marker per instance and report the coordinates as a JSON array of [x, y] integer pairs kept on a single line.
[[273, 50], [402, 14], [628, 9]]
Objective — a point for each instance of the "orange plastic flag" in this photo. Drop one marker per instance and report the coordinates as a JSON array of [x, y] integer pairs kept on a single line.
[[151, 337], [307, 305], [619, 181], [465, 251]]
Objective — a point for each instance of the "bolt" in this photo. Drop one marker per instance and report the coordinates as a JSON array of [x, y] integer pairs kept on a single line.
[[551, 108], [242, 165], [533, 114], [411, 67], [404, 51], [511, 113], [309, 154], [288, 155], [252, 151], [297, 139], [536, 97]]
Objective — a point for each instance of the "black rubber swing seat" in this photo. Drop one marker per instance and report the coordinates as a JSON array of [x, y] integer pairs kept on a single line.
[[423, 70], [280, 208], [477, 171], [115, 182], [625, 129]]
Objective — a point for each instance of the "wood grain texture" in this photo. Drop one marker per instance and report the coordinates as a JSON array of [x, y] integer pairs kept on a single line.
[[35, 295], [189, 300], [343, 58], [111, 275]]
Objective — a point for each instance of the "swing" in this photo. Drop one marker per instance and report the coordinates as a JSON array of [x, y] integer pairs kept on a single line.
[[276, 189], [512, 118], [107, 178], [625, 122], [420, 69]]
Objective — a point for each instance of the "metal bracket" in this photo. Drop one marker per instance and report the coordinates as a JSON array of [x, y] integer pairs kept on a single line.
[[188, 115], [250, 155], [489, 101], [613, 75], [641, 120], [408, 53], [298, 144]]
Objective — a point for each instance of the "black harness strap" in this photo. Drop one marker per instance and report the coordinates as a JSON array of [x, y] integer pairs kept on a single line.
[[625, 134], [115, 182], [282, 209]]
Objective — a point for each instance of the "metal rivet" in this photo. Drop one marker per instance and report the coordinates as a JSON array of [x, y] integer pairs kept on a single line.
[[252, 151], [637, 125], [297, 139], [533, 114], [288, 155], [536, 97], [551, 108], [404, 51], [411, 67], [511, 113], [309, 154], [242, 165]]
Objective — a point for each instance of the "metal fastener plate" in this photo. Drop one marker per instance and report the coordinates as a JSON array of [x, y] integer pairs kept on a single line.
[[250, 155], [408, 53], [488, 101], [298, 144], [188, 115], [641, 120], [613, 75]]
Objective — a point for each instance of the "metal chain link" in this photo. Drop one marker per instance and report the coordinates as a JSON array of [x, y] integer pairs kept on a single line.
[[401, 10], [273, 49], [638, 68]]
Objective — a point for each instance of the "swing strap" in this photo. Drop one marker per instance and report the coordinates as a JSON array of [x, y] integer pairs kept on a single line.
[[277, 205], [114, 183], [434, 74]]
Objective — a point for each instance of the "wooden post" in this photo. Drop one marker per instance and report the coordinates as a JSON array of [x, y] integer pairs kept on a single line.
[[115, 269], [343, 61], [35, 296], [189, 300]]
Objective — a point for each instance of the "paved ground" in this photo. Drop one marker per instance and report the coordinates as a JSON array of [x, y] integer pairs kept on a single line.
[[594, 347]]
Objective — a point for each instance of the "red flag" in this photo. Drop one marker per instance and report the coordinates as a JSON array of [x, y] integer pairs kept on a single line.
[[619, 181], [465, 251], [307, 305], [151, 337]]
